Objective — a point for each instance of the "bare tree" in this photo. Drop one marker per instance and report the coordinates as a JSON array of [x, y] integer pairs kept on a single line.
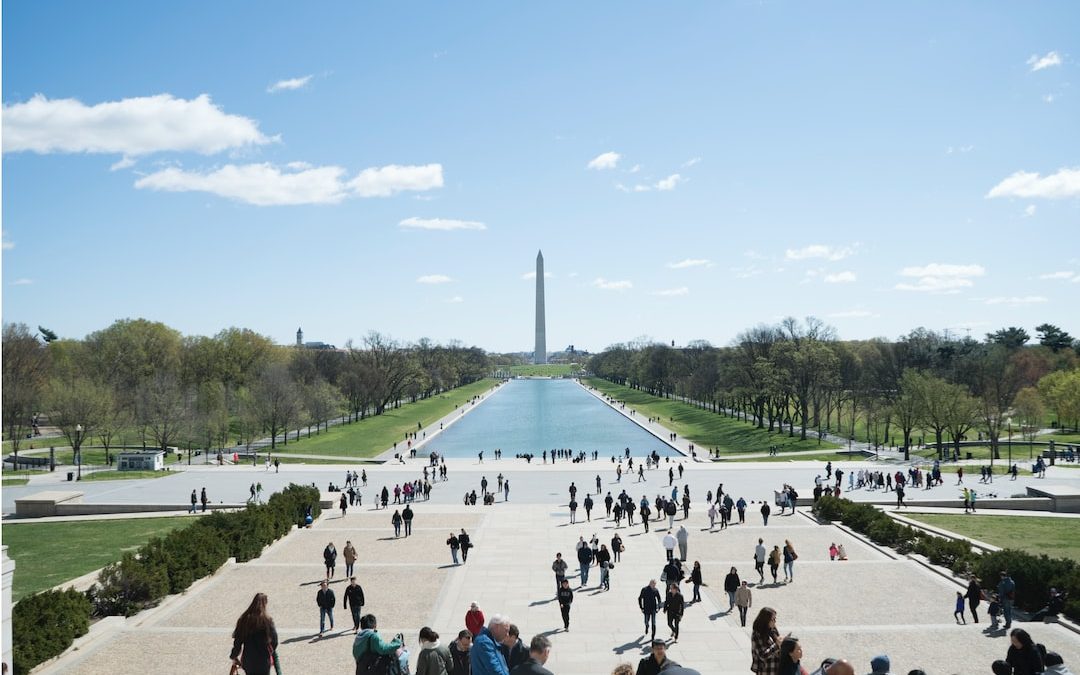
[[25, 370]]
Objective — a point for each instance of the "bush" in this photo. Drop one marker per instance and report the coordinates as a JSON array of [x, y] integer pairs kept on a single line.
[[1034, 576], [45, 625], [129, 586]]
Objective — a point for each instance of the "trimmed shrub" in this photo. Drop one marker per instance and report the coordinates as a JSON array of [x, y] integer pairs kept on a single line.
[[129, 586], [46, 624]]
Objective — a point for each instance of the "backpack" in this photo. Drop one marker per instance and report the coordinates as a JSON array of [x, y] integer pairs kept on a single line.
[[372, 663]]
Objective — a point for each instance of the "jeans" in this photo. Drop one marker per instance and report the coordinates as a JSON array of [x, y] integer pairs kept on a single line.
[[453, 554], [730, 599], [650, 621], [397, 529], [697, 592], [673, 624], [584, 573], [408, 527], [324, 614], [349, 569], [558, 581], [604, 579], [1006, 611], [789, 570], [670, 554], [742, 615], [355, 609], [565, 610]]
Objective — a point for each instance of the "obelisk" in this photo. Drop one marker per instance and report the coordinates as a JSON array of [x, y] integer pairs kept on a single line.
[[540, 351]]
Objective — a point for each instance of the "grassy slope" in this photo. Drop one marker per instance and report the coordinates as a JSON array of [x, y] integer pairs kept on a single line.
[[705, 429], [373, 435], [1056, 537], [47, 554]]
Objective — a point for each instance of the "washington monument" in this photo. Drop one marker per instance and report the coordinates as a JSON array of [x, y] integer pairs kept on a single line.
[[540, 351]]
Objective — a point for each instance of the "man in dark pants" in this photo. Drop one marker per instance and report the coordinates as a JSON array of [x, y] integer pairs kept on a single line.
[[204, 500], [649, 603], [407, 516], [765, 511], [325, 600], [585, 560], [588, 508], [566, 598], [354, 601]]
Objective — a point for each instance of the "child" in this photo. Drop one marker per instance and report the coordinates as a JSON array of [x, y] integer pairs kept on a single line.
[[832, 551], [994, 610], [841, 553], [958, 614]]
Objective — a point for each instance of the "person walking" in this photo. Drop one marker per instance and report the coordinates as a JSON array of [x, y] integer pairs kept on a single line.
[[588, 503], [695, 579], [713, 512], [396, 521], [325, 600], [974, 596], [774, 562], [759, 560], [474, 619], [407, 518], [765, 511], [343, 503], [731, 586], [466, 545], [958, 611], [354, 602], [617, 547], [573, 510], [673, 608], [649, 603], [203, 498], [194, 501], [565, 597], [329, 555], [349, 553], [459, 652], [655, 663], [743, 600], [539, 652], [683, 537], [585, 560], [790, 556], [1006, 591], [255, 639], [368, 645], [765, 643], [669, 545], [455, 545], [559, 567], [434, 658]]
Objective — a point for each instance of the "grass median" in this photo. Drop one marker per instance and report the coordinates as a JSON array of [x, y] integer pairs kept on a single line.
[[1055, 537]]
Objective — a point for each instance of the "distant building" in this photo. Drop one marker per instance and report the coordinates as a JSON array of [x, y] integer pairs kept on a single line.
[[311, 345]]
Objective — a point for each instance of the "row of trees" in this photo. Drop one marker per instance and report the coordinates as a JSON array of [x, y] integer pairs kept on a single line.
[[145, 378], [799, 375]]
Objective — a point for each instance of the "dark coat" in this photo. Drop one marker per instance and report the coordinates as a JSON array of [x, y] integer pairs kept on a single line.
[[731, 583], [649, 666], [530, 667], [649, 600], [674, 605], [566, 597], [325, 598], [354, 595]]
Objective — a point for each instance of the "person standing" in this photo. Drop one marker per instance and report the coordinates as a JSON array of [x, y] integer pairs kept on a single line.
[[539, 651], [407, 517], [649, 603], [343, 503], [695, 579], [349, 553], [617, 547], [455, 545], [743, 601], [759, 559], [325, 600], [765, 643], [204, 500], [573, 510], [958, 610], [459, 652], [474, 619], [506, 490], [466, 545], [434, 658], [354, 602], [396, 521], [588, 508], [1006, 594], [974, 596], [329, 555], [790, 556], [713, 512], [485, 656], [669, 545], [673, 607], [740, 506], [774, 562], [608, 501], [255, 639], [731, 585], [683, 537], [194, 501], [514, 650], [585, 560], [566, 598], [765, 511], [559, 568]]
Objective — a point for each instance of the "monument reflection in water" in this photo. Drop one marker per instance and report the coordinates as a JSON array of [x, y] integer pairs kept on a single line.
[[538, 415]]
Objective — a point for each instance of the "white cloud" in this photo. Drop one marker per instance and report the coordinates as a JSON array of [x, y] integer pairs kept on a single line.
[[1059, 275], [963, 149], [124, 163], [839, 278], [669, 183], [1064, 183], [131, 126], [532, 275], [1029, 210], [22, 282], [691, 162], [445, 224], [388, 180], [433, 279], [603, 283], [819, 251], [634, 169], [940, 278], [690, 262], [456, 299], [853, 314], [1015, 301], [1040, 62], [1049, 98], [607, 160], [299, 166], [268, 185], [289, 85], [672, 292]]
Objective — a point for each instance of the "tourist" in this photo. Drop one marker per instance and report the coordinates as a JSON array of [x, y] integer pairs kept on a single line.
[[396, 521], [713, 512], [559, 568], [617, 547], [506, 490], [759, 560], [672, 574], [974, 596], [669, 545], [645, 512], [657, 661], [682, 536], [343, 503], [325, 599], [407, 518], [565, 596], [731, 584], [329, 555], [474, 619], [354, 601], [588, 508], [673, 607], [1006, 591], [774, 562], [455, 545], [369, 645], [466, 545], [434, 658], [1023, 657], [255, 639], [459, 652], [539, 651], [765, 511], [649, 603], [585, 560], [765, 643], [880, 665], [385, 496], [695, 579], [603, 561], [607, 503], [203, 498], [573, 510], [958, 609], [790, 655], [743, 600], [841, 553], [740, 506], [513, 648], [349, 553], [194, 501], [790, 556]]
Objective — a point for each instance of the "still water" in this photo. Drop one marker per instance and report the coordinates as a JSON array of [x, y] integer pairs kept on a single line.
[[537, 415]]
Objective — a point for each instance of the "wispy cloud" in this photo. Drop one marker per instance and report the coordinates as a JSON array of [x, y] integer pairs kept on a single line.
[[671, 292], [445, 224], [1040, 62], [603, 283], [853, 314], [124, 162], [289, 85], [1049, 98], [1064, 183], [269, 185], [131, 127], [1016, 301], [455, 300], [962, 149], [691, 162], [819, 251], [690, 262], [607, 160], [669, 183], [433, 279], [663, 185], [1030, 210], [839, 278], [1065, 276], [22, 282], [5, 244], [940, 278]]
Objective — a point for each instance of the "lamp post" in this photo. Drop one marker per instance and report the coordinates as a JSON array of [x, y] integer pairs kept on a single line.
[[78, 451], [1010, 443]]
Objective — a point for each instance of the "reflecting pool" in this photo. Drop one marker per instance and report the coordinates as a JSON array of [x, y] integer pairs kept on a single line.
[[538, 415]]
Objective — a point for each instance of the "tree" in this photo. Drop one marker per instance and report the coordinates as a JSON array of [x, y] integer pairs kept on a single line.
[[25, 370], [132, 352], [1010, 338], [1030, 410], [1061, 391], [163, 410], [321, 401], [78, 408], [1053, 337], [276, 403], [961, 412], [908, 408], [997, 378], [47, 335], [936, 395], [805, 361]]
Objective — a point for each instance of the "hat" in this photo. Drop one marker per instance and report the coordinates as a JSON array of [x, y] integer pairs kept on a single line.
[[880, 664]]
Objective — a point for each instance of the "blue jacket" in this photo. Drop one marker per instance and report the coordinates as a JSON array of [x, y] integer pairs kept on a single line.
[[485, 657]]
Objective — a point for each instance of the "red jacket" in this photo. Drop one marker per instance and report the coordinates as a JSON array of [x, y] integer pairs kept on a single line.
[[474, 621]]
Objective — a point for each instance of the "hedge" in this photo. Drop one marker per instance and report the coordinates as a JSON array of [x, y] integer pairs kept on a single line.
[[163, 566], [1034, 575]]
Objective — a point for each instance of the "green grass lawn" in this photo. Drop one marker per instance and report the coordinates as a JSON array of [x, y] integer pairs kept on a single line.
[[1056, 537], [816, 457], [706, 429], [544, 370], [15, 482], [1020, 453], [373, 435], [125, 475], [47, 554]]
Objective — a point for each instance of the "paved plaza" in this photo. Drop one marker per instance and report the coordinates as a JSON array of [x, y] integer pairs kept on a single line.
[[876, 602]]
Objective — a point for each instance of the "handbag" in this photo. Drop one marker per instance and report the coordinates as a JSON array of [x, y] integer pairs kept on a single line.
[[234, 669]]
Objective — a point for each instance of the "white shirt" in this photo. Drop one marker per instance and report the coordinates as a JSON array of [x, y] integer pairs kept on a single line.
[[669, 541]]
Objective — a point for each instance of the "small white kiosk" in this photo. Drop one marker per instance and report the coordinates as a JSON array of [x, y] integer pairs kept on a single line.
[[141, 460]]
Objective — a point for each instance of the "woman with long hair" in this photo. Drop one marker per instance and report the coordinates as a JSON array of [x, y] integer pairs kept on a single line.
[[790, 656], [255, 639], [1023, 658], [434, 658], [765, 643]]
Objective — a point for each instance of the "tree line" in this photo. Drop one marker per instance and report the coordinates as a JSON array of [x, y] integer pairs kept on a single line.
[[143, 379], [798, 375]]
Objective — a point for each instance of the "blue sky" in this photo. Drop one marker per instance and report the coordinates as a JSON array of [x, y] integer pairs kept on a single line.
[[689, 169]]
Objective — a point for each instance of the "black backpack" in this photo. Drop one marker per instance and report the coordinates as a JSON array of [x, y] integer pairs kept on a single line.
[[372, 663]]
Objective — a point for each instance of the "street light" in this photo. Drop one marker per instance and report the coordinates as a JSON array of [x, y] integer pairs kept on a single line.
[[78, 451]]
